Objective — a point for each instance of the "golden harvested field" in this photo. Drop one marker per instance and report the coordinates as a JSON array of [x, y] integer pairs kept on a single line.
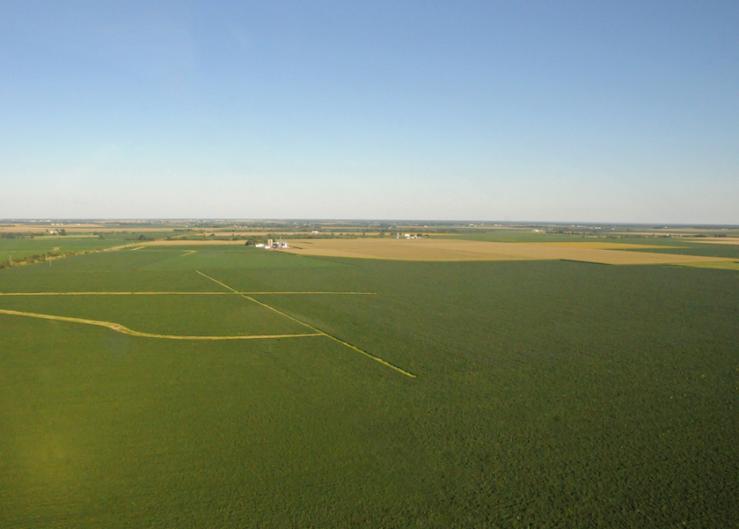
[[462, 250], [597, 245], [721, 265], [717, 240]]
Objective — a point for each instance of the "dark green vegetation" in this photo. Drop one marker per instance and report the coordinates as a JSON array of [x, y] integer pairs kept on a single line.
[[549, 394]]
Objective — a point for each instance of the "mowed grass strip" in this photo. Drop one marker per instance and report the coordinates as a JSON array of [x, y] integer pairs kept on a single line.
[[463, 250], [117, 327], [164, 315]]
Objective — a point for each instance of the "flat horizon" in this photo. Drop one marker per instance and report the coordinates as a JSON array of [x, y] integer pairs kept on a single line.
[[371, 219]]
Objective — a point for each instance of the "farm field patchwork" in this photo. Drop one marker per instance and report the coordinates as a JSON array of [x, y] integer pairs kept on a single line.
[[83, 228], [463, 250], [717, 240], [648, 242], [546, 393], [716, 265]]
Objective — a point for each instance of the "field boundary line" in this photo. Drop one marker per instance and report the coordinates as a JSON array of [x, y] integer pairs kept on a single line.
[[117, 327], [181, 293], [113, 293], [353, 347]]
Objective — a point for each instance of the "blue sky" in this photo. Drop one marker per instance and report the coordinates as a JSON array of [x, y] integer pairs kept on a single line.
[[519, 110]]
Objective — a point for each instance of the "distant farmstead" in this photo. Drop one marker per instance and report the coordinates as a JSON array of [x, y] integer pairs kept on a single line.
[[275, 245]]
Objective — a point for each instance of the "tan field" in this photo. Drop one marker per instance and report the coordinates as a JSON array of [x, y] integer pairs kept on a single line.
[[461, 250], [597, 245], [717, 240], [721, 265]]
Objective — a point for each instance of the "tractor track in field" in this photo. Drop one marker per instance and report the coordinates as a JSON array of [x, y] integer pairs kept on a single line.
[[320, 332]]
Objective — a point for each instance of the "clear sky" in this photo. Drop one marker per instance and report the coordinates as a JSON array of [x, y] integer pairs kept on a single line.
[[518, 110]]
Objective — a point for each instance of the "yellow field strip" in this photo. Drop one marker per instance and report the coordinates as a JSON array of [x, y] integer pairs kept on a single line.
[[125, 330], [311, 327], [184, 293], [723, 265]]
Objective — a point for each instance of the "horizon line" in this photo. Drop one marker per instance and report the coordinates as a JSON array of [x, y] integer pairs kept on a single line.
[[372, 219]]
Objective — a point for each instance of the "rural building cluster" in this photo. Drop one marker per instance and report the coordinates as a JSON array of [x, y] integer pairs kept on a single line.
[[272, 245]]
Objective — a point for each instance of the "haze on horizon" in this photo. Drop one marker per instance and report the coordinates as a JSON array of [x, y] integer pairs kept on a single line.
[[538, 111]]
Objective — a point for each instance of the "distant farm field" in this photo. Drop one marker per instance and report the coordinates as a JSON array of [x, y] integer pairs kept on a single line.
[[464, 250], [194, 242], [81, 228], [717, 240], [528, 392], [20, 248]]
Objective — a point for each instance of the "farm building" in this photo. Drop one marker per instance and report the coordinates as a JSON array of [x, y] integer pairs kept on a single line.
[[275, 245]]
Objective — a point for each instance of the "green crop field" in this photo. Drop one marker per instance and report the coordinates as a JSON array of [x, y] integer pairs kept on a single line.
[[538, 394], [18, 248]]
